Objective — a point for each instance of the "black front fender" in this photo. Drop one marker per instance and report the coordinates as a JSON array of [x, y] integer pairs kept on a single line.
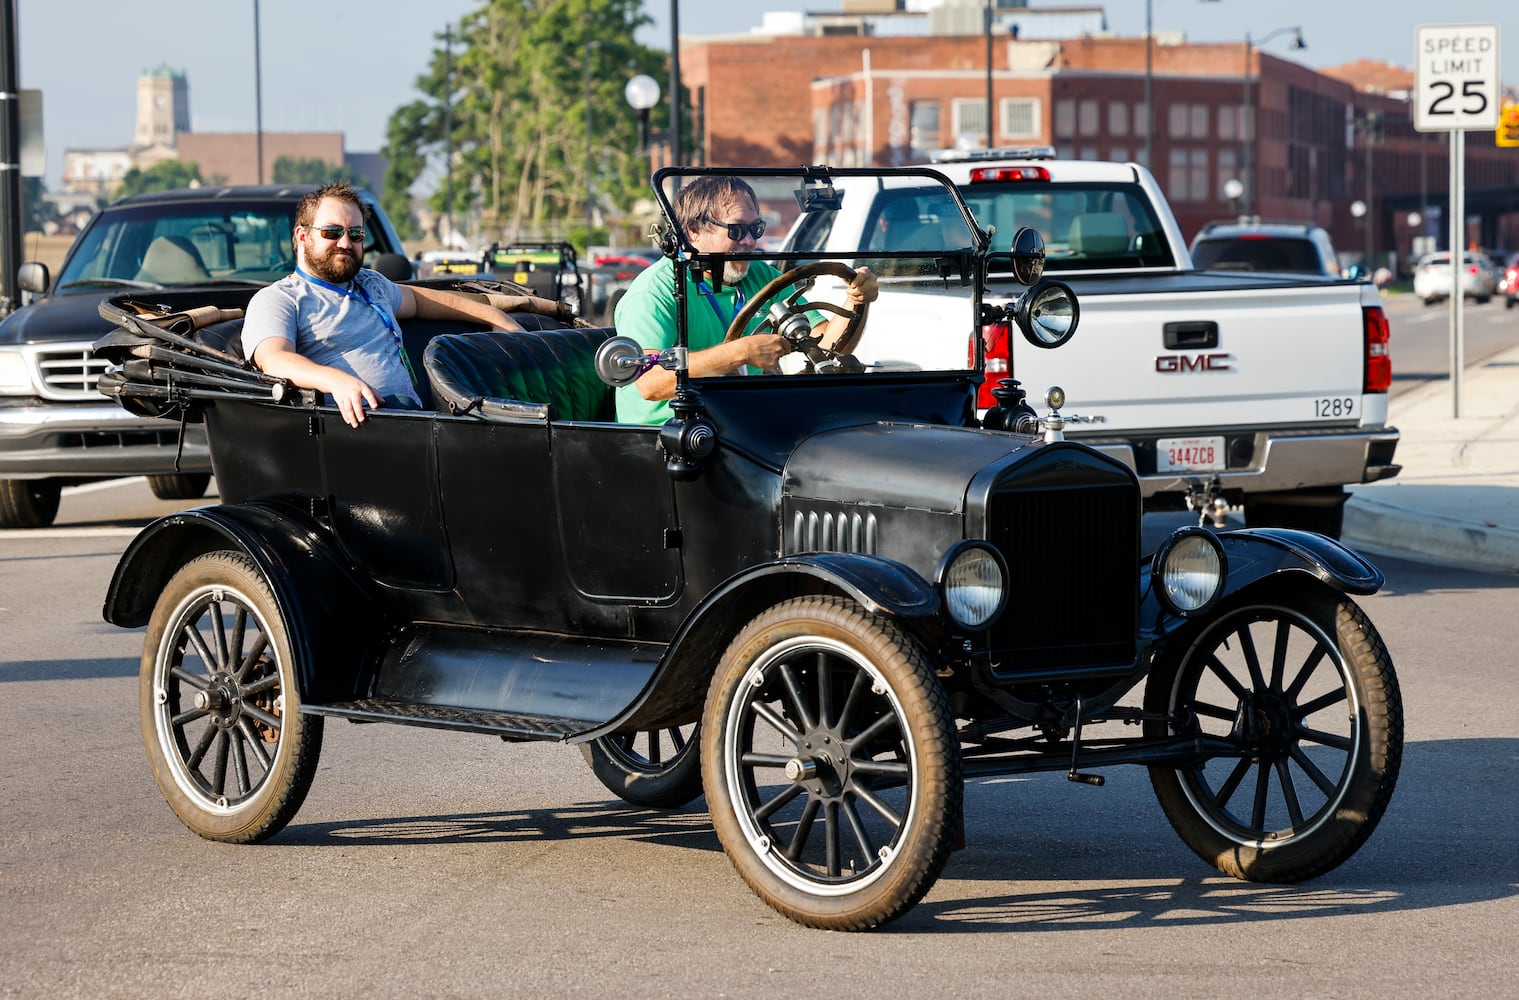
[[335, 625], [1258, 554], [678, 686]]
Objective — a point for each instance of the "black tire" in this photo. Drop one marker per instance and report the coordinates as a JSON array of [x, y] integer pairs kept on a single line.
[[179, 486], [1299, 679], [658, 769], [28, 503], [846, 705], [221, 714], [1322, 511]]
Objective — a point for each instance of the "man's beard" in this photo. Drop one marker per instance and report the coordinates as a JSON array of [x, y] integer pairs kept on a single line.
[[338, 265], [734, 271]]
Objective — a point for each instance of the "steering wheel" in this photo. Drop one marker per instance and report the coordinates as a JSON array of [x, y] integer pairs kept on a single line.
[[803, 277]]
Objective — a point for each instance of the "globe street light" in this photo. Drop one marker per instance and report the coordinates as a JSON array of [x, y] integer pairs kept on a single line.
[[642, 93]]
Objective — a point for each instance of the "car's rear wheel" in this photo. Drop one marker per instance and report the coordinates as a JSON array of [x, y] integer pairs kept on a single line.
[[179, 485], [28, 503], [1299, 682], [657, 769], [831, 764], [221, 715]]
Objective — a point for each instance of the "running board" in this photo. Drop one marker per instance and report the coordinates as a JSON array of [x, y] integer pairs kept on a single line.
[[507, 725]]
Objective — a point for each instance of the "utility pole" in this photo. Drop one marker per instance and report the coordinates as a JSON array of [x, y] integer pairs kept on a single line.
[[675, 100], [10, 160], [445, 236], [258, 98]]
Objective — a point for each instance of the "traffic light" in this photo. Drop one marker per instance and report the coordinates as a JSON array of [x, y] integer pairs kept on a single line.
[[1508, 126]]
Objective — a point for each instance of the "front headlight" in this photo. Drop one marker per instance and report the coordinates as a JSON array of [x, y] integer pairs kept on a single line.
[[1189, 571], [973, 582], [15, 374]]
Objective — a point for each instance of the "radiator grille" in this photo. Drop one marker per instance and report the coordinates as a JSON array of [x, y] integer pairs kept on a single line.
[[68, 372], [1073, 554]]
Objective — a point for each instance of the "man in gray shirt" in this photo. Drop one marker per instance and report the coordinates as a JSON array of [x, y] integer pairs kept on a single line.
[[332, 325]]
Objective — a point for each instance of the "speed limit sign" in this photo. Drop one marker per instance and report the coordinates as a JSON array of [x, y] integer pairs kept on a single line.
[[1456, 83]]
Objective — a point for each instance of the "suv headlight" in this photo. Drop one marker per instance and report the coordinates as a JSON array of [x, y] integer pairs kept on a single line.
[[15, 374], [1189, 571], [973, 583]]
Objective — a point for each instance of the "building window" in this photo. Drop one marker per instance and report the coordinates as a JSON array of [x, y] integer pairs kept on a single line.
[[1199, 121], [1199, 172], [1141, 122], [1118, 118], [1227, 118], [1228, 168], [923, 128], [1089, 122], [1065, 118], [970, 119], [1119, 153], [1020, 118], [1179, 121], [1176, 179]]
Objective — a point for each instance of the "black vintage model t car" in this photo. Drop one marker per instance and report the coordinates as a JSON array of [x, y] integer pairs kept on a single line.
[[825, 598]]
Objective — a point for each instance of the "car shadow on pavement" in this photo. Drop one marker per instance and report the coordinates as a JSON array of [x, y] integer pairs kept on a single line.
[[687, 828]]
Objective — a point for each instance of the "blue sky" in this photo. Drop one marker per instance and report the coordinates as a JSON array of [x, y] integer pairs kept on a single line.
[[85, 56]]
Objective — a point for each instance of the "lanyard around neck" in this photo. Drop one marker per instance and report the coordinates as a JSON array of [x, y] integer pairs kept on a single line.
[[711, 297], [362, 295]]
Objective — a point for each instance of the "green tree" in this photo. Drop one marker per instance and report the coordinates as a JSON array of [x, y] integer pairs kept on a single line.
[[510, 105], [35, 212], [313, 170], [165, 175]]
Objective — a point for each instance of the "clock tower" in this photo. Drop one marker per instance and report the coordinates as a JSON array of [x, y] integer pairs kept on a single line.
[[163, 107]]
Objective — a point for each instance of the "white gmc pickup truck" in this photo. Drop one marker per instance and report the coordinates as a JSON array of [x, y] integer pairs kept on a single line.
[[1219, 388]]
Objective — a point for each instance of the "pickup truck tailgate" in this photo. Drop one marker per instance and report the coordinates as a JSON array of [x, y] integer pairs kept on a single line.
[[1211, 350]]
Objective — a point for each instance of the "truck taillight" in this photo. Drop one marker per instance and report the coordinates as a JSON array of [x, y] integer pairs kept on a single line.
[[995, 337], [1378, 356], [982, 175]]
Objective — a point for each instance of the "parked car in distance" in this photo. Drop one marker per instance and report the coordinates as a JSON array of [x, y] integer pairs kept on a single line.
[[1510, 286], [1433, 282], [1253, 245], [55, 428]]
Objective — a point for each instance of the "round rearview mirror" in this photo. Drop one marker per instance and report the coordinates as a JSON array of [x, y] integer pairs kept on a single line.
[[1028, 256], [619, 361], [1047, 314]]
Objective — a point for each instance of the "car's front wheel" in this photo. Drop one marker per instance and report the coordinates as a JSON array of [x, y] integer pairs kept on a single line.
[[221, 715], [1298, 683], [831, 764], [28, 503]]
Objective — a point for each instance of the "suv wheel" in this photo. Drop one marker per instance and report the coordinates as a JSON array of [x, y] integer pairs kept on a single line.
[[179, 486], [28, 503]]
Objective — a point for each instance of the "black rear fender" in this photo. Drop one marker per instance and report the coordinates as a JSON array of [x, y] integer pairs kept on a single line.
[[336, 629], [674, 695]]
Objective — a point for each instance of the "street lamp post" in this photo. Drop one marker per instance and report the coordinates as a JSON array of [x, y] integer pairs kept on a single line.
[[1247, 115], [590, 163], [987, 24], [642, 93]]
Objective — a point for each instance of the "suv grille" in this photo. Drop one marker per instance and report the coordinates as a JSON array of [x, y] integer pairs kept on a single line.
[[68, 371], [1076, 552]]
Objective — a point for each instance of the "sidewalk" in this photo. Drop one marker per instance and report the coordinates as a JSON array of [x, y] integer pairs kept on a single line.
[[1457, 499]]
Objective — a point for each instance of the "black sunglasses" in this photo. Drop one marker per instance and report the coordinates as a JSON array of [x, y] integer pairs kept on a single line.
[[335, 233], [736, 230]]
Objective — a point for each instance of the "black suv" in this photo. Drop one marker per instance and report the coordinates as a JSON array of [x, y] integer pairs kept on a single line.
[[55, 430], [1252, 245]]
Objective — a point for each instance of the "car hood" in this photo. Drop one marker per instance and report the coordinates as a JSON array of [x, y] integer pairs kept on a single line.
[[927, 467], [69, 316]]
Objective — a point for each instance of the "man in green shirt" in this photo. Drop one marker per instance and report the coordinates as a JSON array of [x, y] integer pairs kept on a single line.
[[720, 215]]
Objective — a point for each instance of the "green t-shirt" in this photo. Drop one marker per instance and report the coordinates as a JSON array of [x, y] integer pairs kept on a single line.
[[646, 313]]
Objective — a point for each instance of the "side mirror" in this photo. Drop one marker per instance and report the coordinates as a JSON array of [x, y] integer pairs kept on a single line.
[[1047, 314], [33, 277], [1028, 256]]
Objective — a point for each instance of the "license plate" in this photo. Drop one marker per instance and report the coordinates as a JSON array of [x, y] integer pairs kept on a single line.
[[1189, 454]]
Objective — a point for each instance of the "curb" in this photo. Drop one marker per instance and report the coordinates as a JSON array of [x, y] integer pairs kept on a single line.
[[1385, 529]]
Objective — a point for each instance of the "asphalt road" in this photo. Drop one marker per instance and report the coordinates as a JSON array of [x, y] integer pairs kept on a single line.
[[440, 865], [1421, 337]]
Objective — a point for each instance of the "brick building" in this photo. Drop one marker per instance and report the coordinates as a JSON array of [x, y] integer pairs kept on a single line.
[[1323, 140]]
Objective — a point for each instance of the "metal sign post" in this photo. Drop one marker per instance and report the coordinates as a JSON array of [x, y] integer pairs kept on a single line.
[[1456, 87]]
